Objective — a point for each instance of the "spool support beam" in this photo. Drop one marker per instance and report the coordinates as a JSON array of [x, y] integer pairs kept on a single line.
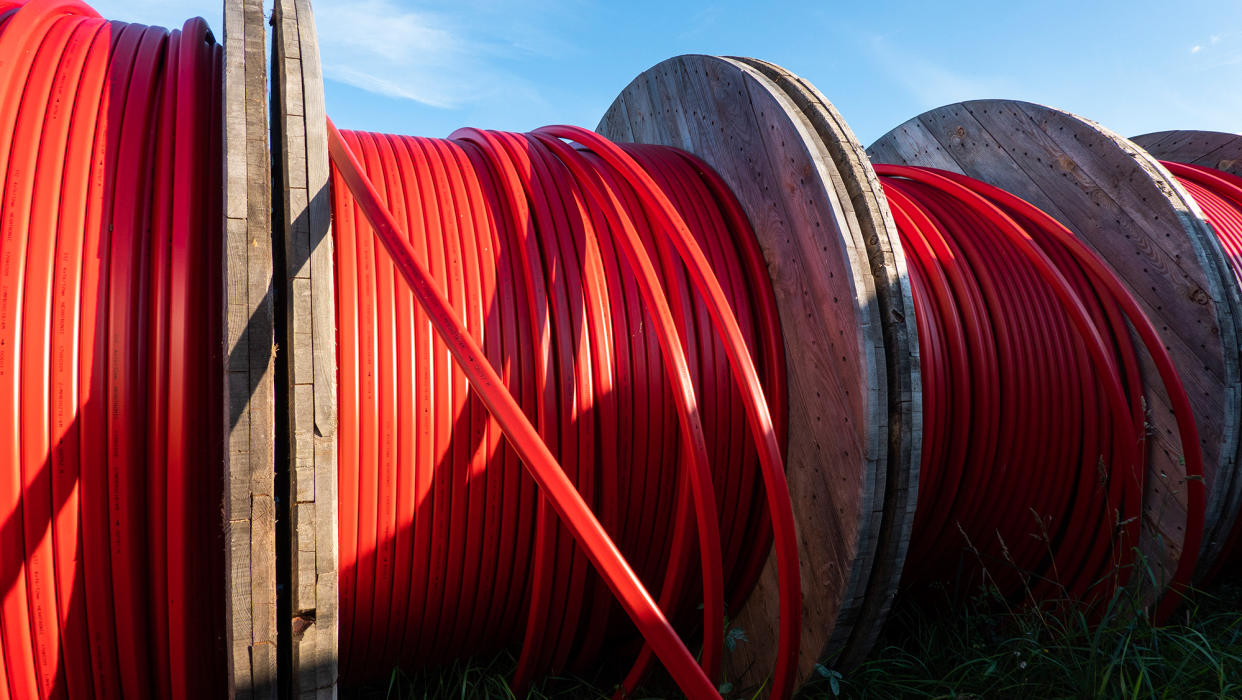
[[249, 497], [307, 329]]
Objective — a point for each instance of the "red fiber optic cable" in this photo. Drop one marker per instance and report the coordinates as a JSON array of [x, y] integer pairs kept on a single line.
[[1024, 339], [1219, 195], [109, 502], [565, 228]]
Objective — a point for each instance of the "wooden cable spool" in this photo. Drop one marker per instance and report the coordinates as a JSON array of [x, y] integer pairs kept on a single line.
[[845, 304], [856, 365], [1119, 200], [1221, 151], [845, 308]]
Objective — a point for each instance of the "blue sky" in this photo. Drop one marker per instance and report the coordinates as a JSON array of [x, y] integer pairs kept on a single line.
[[426, 67]]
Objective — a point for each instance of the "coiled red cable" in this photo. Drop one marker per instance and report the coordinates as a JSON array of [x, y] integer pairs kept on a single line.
[[1219, 195], [588, 297], [1034, 423], [110, 366]]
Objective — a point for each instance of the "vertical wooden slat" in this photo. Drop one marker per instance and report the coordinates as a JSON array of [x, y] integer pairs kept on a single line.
[[309, 332], [249, 507]]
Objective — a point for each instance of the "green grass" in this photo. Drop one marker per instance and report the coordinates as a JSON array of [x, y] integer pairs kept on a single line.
[[982, 648], [986, 649]]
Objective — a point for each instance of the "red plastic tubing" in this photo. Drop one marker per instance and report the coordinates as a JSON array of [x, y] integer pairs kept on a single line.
[[1219, 195], [110, 355], [1033, 451], [602, 317]]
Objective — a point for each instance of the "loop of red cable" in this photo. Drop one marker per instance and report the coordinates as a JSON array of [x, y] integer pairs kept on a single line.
[[598, 311], [1034, 422], [1219, 195], [110, 364]]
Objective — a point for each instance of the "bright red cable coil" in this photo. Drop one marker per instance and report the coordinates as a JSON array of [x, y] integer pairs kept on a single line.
[[1027, 367], [531, 204], [110, 366]]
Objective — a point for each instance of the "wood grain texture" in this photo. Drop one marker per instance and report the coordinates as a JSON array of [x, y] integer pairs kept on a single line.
[[307, 282], [856, 181], [249, 374], [813, 218], [1120, 201], [1221, 151], [1213, 149]]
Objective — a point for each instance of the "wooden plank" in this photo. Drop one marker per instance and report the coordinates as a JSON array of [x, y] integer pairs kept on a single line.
[[310, 334], [751, 132], [251, 629], [1118, 200], [238, 562]]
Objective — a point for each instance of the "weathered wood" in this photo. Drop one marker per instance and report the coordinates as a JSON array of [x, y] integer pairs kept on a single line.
[[1213, 149], [1221, 151], [310, 334], [1122, 203], [818, 219], [249, 334], [859, 625]]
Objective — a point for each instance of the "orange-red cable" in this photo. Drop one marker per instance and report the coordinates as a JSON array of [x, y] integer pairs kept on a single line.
[[612, 339], [110, 529]]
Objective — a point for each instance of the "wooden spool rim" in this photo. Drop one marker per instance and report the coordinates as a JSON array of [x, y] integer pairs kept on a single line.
[[1222, 151], [1213, 149], [308, 384], [822, 228], [249, 505], [1100, 184], [853, 640]]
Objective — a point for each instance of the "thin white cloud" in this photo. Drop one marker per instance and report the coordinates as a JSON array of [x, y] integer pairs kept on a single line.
[[388, 48], [1196, 48], [381, 47], [930, 83]]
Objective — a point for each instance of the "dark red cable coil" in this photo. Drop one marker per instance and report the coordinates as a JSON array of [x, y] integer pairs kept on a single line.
[[110, 366], [1219, 195], [522, 235], [1034, 425]]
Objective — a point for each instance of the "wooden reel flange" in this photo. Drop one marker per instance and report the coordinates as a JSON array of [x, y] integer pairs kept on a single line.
[[306, 281], [848, 323], [249, 507]]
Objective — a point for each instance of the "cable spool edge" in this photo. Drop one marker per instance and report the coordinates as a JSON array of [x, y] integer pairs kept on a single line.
[[1098, 184], [1222, 151], [852, 642], [306, 283], [723, 110], [248, 510]]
